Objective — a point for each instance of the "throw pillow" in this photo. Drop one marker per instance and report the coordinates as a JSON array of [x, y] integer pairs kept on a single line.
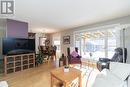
[[74, 54]]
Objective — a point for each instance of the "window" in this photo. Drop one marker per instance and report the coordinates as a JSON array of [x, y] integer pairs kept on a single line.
[[57, 44], [42, 41], [97, 44]]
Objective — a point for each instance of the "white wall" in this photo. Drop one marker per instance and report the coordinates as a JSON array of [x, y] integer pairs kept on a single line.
[[127, 43], [56, 36], [37, 35], [2, 33], [122, 20]]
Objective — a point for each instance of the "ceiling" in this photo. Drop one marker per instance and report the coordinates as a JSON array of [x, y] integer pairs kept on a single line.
[[50, 16]]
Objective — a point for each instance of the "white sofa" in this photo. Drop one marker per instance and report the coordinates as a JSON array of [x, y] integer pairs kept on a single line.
[[117, 76], [3, 84], [129, 81]]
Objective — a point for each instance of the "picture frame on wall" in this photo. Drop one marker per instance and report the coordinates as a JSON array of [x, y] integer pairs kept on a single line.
[[66, 39]]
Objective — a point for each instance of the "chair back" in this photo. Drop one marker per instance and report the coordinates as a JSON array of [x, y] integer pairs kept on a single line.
[[71, 49], [118, 56]]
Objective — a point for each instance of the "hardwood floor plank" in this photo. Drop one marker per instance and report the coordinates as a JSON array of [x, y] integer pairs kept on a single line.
[[35, 77]]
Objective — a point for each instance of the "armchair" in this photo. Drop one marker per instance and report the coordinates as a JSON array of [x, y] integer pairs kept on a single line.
[[117, 57], [73, 56]]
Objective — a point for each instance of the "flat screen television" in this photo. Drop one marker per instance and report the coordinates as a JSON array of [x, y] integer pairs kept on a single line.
[[14, 46]]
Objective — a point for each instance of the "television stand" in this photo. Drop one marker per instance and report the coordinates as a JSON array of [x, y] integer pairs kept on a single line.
[[14, 63]]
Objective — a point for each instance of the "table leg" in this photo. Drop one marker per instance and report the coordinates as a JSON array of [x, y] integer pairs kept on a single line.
[[80, 81], [51, 81], [66, 84]]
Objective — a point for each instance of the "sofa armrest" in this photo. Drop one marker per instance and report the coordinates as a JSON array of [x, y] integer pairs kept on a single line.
[[128, 81], [79, 56], [3, 84]]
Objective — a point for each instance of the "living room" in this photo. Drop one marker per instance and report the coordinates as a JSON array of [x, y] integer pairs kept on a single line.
[[45, 43]]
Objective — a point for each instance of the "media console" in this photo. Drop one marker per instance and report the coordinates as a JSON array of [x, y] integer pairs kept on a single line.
[[14, 63]]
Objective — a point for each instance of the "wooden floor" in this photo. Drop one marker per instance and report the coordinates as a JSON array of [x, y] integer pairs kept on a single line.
[[35, 77]]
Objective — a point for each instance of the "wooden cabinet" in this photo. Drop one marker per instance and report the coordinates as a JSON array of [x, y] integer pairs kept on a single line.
[[20, 62]]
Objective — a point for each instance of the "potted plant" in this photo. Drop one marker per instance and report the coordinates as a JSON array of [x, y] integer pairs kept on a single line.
[[66, 68], [39, 58]]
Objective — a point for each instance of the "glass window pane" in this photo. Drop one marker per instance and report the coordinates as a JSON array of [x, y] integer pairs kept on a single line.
[[98, 44], [111, 46], [95, 48]]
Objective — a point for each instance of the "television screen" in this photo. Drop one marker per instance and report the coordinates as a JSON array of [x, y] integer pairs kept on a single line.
[[13, 46]]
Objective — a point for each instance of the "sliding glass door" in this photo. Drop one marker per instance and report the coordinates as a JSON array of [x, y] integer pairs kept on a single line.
[[97, 44]]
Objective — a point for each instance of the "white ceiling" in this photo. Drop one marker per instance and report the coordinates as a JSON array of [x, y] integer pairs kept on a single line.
[[50, 16]]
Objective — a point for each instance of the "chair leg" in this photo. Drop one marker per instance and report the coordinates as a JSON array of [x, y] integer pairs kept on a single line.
[[80, 65], [48, 59]]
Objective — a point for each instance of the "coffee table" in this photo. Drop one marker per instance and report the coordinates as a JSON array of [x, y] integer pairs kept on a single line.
[[66, 77]]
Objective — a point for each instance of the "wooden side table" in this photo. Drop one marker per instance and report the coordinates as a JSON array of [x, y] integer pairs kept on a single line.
[[66, 77]]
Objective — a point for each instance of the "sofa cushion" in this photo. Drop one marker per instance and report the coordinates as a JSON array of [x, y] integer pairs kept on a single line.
[[122, 70], [3, 84], [107, 79], [74, 54]]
